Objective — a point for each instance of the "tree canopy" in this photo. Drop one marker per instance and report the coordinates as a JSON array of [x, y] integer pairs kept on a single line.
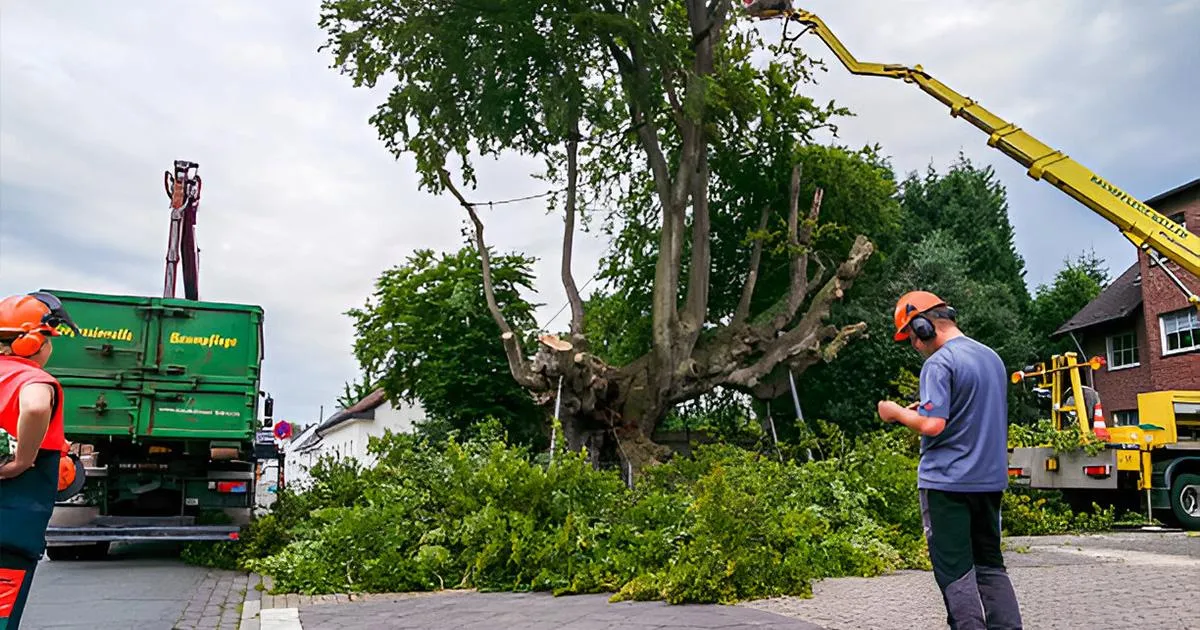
[[426, 337]]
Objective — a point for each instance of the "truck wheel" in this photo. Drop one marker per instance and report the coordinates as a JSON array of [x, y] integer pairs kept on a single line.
[[65, 553], [1185, 500], [70, 553]]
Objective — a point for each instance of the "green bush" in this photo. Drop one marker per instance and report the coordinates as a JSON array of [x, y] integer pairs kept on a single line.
[[1027, 512], [724, 525]]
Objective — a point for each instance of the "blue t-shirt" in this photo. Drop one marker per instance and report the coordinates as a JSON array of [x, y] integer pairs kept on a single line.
[[965, 382]]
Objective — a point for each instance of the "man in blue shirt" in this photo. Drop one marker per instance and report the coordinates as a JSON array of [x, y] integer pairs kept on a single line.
[[962, 418]]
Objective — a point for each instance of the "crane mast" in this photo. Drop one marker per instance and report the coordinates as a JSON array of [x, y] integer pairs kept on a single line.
[[1151, 232], [183, 188]]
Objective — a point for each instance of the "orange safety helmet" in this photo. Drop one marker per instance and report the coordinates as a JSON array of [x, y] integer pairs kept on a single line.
[[909, 306], [28, 319]]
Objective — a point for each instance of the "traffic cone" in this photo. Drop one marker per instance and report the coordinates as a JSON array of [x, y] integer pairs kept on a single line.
[[1098, 425]]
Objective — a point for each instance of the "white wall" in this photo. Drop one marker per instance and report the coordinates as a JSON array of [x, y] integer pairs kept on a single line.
[[349, 439]]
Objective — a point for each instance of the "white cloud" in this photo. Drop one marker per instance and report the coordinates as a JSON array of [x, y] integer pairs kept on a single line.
[[303, 207]]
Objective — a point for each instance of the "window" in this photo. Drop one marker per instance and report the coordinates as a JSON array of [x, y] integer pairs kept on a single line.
[[1122, 351], [1180, 331], [1125, 418]]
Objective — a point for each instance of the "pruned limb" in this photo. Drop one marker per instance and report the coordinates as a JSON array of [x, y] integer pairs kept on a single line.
[[743, 307], [666, 279], [516, 360], [799, 242], [811, 329], [568, 278], [699, 272], [777, 383]]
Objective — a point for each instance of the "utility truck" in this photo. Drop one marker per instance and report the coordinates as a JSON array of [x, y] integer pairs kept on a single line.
[[1153, 466], [160, 406]]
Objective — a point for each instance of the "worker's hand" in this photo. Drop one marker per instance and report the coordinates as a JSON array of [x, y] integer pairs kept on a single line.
[[12, 469], [889, 411]]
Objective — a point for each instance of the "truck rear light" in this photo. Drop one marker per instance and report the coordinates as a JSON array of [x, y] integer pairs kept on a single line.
[[1097, 471], [1016, 472], [232, 486], [233, 536]]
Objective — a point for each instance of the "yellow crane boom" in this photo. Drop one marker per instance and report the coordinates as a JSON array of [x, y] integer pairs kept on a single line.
[[1146, 228]]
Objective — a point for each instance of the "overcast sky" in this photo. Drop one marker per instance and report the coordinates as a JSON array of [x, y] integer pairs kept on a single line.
[[302, 206]]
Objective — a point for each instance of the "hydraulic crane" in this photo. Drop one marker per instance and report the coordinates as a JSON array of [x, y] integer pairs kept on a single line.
[[1151, 232], [183, 188]]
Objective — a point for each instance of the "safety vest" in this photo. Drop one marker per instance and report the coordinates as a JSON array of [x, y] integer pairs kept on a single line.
[[15, 373]]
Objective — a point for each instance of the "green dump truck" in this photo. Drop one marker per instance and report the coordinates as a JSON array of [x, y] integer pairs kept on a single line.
[[161, 404]]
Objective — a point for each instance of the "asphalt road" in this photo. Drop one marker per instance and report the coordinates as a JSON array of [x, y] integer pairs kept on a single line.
[[143, 587]]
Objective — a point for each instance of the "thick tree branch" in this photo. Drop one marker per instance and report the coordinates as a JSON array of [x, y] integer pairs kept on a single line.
[[799, 242], [666, 274], [699, 271], [808, 334], [743, 307], [516, 361], [568, 277]]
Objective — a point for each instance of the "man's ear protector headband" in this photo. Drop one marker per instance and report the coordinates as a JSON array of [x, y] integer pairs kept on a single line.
[[923, 327], [33, 336]]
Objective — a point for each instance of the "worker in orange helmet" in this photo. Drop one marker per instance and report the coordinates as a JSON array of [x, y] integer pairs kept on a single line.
[[31, 410], [962, 417]]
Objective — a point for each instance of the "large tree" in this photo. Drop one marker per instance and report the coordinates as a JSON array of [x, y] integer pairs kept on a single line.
[[426, 336], [656, 111], [1080, 280]]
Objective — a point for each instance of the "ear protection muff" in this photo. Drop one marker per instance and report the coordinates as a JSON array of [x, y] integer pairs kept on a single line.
[[924, 329], [28, 343]]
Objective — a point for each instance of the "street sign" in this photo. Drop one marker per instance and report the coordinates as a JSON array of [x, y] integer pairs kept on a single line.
[[264, 436], [283, 429]]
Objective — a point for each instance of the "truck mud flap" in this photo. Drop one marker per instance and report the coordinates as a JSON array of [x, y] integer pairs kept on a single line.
[[135, 529]]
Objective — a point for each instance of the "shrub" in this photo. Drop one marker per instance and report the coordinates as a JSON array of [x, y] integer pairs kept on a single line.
[[724, 525]]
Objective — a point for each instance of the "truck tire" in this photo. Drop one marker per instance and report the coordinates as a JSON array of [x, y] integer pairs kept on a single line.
[[1185, 500]]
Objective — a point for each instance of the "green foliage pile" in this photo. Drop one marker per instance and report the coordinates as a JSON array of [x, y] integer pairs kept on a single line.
[[723, 526], [1063, 441]]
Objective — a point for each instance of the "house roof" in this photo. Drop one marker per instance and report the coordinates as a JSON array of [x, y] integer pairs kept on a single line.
[[1118, 300], [307, 438], [1195, 183], [364, 408]]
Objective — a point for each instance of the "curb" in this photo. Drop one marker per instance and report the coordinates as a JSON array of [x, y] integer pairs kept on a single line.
[[252, 604]]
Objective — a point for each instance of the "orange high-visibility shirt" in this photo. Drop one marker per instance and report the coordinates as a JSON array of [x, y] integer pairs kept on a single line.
[[15, 373]]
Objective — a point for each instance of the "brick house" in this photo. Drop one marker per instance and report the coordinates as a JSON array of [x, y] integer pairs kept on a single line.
[[1142, 323]]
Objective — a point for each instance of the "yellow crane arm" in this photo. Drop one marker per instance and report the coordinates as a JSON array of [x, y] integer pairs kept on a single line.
[[1149, 230]]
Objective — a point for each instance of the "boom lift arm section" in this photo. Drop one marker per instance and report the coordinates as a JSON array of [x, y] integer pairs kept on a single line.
[[183, 188], [1146, 228]]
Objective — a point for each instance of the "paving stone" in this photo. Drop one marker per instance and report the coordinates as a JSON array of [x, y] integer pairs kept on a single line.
[[1120, 587], [535, 611], [1113, 581]]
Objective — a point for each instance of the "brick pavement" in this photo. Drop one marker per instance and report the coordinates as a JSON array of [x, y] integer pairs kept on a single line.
[[135, 588], [216, 602], [1113, 581]]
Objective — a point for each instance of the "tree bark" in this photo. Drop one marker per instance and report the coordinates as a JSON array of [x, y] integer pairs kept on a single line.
[[568, 278]]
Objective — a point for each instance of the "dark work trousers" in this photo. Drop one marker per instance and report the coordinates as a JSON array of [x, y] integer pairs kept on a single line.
[[26, 502], [962, 530]]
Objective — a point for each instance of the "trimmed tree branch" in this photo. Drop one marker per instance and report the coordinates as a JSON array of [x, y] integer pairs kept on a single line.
[[568, 278], [799, 241], [516, 360], [743, 307], [806, 336], [699, 272]]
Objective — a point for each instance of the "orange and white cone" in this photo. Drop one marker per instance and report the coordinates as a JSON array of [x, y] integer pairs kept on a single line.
[[1098, 426]]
